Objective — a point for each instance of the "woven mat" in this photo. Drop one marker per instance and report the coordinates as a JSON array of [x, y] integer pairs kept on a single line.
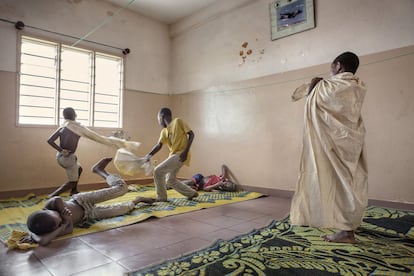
[[14, 211]]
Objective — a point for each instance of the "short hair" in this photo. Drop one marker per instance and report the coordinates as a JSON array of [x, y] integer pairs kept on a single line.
[[198, 178], [40, 222], [165, 111], [69, 113], [349, 61]]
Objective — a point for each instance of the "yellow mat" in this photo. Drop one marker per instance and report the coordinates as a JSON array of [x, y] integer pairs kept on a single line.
[[14, 211]]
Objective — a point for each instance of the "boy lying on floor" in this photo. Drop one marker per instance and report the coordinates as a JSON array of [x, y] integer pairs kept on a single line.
[[58, 217], [213, 183]]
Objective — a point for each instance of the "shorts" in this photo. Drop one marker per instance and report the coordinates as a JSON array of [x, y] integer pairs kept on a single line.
[[70, 164]]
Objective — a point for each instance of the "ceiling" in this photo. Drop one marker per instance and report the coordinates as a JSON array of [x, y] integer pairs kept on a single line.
[[167, 11]]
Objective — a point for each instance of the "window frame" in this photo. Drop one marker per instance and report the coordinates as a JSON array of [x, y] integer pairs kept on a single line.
[[82, 46]]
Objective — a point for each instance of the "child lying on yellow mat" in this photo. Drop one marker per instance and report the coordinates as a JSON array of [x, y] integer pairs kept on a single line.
[[58, 217]]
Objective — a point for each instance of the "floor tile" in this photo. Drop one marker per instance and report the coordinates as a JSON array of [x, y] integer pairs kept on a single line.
[[156, 255], [135, 246], [75, 261], [111, 269]]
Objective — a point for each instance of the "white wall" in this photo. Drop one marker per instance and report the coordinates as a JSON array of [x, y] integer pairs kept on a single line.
[[205, 46], [147, 66]]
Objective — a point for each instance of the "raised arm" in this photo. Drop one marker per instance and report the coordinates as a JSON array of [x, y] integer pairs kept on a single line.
[[224, 172]]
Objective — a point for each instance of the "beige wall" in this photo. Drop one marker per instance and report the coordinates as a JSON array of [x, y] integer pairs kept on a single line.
[[254, 128], [205, 47]]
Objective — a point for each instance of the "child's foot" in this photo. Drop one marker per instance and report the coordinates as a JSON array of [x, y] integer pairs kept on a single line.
[[341, 236], [101, 165], [73, 192], [139, 199], [193, 196]]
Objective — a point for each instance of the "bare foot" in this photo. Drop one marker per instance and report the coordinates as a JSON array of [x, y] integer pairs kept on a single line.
[[139, 199], [101, 165], [341, 236]]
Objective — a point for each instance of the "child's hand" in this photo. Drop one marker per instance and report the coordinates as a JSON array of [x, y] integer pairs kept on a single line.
[[66, 212]]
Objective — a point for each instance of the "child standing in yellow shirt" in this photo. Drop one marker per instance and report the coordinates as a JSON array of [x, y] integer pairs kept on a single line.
[[178, 136]]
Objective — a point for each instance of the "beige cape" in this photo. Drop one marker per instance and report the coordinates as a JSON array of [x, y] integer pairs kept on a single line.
[[332, 187], [125, 161]]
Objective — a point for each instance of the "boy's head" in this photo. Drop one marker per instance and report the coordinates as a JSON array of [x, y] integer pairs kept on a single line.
[[164, 116], [69, 113], [197, 178], [345, 62], [43, 221]]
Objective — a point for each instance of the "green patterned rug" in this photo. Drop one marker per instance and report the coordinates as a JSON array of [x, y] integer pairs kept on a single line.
[[14, 211], [385, 246]]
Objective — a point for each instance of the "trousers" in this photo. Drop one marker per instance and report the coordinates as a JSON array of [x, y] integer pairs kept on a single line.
[[88, 200], [166, 174]]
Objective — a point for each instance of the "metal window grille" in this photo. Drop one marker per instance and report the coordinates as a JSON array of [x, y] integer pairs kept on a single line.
[[54, 76]]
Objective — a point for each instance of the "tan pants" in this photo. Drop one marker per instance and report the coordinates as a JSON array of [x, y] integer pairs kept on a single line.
[[165, 174], [89, 200]]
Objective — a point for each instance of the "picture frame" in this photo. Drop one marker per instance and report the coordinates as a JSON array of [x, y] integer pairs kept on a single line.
[[288, 17]]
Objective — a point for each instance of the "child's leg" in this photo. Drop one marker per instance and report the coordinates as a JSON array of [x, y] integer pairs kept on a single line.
[[99, 168], [160, 173], [75, 187], [71, 166], [117, 209], [189, 182], [118, 187], [173, 168], [63, 188]]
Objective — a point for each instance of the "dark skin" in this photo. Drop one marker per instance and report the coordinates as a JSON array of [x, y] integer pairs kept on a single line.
[[66, 214], [164, 121], [68, 143]]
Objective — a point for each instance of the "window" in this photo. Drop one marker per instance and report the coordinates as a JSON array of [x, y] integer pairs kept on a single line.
[[54, 76]]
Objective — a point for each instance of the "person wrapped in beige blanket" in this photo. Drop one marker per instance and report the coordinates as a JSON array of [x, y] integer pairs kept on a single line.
[[332, 187], [70, 132]]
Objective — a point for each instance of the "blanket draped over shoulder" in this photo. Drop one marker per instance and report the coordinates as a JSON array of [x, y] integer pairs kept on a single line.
[[125, 160], [332, 187]]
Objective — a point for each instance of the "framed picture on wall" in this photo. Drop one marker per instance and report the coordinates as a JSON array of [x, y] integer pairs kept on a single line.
[[289, 17]]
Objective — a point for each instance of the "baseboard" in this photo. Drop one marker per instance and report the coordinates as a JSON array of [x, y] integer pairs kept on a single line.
[[264, 191], [269, 191], [392, 204], [289, 194]]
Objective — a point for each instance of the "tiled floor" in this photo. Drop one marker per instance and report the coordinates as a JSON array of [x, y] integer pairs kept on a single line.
[[132, 247]]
